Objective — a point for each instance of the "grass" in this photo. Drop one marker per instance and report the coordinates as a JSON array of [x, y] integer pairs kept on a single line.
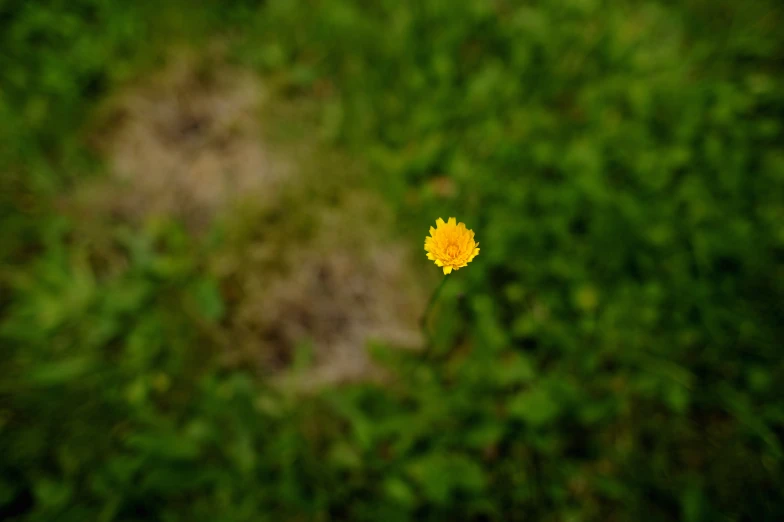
[[612, 354]]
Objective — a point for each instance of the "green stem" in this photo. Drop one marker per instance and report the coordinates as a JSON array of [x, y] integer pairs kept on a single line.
[[426, 315]]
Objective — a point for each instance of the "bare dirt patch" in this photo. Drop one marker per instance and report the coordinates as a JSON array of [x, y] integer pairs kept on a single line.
[[308, 258], [186, 142], [341, 282]]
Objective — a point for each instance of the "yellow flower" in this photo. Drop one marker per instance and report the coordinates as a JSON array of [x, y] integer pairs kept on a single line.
[[451, 245]]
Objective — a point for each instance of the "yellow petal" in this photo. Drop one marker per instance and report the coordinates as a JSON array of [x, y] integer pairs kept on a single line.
[[451, 243]]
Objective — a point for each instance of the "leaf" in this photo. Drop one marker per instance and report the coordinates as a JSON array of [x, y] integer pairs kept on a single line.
[[398, 490], [515, 369], [62, 371], [439, 475], [208, 297], [164, 446], [536, 407]]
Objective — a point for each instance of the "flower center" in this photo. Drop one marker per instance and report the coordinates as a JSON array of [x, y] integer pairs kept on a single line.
[[452, 250]]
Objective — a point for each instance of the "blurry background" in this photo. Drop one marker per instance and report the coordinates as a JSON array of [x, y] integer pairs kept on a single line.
[[212, 275]]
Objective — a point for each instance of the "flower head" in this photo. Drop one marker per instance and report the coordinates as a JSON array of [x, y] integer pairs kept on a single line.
[[451, 245]]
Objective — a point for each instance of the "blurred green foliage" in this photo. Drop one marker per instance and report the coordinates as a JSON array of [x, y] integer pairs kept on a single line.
[[613, 354]]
